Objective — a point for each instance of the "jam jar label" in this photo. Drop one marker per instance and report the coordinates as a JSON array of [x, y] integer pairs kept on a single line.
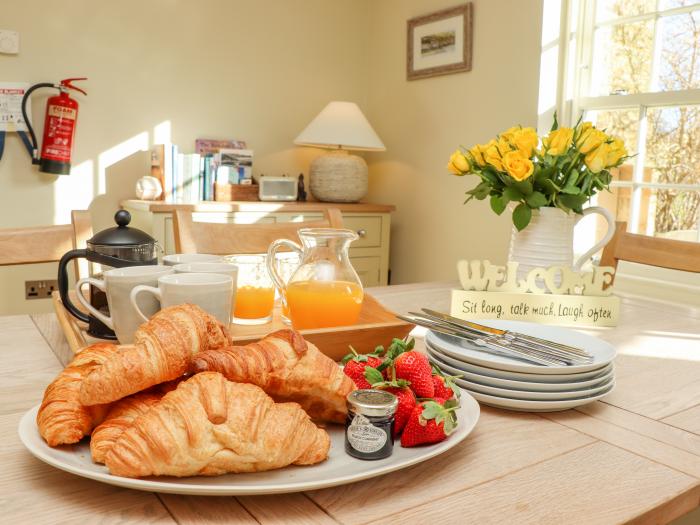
[[365, 437]]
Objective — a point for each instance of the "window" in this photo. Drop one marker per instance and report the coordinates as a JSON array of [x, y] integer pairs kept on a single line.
[[634, 69]]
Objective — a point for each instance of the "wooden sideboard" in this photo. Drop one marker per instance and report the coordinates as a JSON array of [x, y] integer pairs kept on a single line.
[[369, 254]]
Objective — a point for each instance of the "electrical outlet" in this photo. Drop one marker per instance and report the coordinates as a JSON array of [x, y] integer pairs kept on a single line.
[[39, 289]]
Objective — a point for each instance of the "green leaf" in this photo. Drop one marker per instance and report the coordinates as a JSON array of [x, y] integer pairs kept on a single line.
[[489, 176], [555, 124], [521, 216], [525, 187], [431, 410], [571, 190], [536, 200], [372, 375], [498, 204], [512, 193], [549, 187], [573, 202]]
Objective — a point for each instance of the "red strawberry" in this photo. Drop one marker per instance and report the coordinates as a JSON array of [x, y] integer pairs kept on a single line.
[[356, 367], [415, 367], [430, 422], [445, 387], [407, 402]]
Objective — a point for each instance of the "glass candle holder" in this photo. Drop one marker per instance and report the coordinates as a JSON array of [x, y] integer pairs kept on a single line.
[[255, 295]]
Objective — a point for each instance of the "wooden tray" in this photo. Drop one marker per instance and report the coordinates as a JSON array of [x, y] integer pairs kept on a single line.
[[376, 326]]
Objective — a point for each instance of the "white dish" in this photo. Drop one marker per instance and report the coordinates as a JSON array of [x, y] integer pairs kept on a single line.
[[338, 469], [442, 362], [524, 405], [518, 376], [602, 352]]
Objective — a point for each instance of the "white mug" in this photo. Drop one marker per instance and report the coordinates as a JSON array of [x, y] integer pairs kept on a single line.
[[184, 258], [211, 292], [117, 285], [223, 268]]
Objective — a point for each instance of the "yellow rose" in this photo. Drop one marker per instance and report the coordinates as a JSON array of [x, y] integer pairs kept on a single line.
[[458, 165], [518, 165], [477, 155], [492, 155], [589, 138], [616, 152], [597, 160], [558, 141], [509, 133], [525, 140]]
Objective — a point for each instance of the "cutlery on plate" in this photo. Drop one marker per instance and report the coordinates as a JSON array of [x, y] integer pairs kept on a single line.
[[510, 335], [489, 345]]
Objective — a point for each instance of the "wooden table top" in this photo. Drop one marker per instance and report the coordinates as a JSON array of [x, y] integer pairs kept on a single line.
[[634, 457]]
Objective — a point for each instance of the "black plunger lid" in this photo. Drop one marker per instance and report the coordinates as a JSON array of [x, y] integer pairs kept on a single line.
[[122, 235]]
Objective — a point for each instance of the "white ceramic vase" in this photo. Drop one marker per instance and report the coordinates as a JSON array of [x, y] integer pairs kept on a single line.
[[549, 240]]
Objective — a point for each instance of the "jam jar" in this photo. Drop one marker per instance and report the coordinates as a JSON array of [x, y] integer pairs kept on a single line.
[[369, 427]]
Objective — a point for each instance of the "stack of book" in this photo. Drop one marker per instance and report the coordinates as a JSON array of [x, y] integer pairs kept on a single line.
[[192, 177]]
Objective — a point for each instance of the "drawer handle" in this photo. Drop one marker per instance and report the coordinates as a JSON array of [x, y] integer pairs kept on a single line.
[[362, 233]]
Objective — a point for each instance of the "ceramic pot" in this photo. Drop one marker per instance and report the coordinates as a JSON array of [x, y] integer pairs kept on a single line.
[[549, 240]]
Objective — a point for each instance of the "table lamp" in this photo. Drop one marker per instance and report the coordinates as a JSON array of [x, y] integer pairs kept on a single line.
[[337, 176]]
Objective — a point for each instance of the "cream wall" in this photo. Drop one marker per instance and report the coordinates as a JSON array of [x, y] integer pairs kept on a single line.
[[423, 121], [255, 69]]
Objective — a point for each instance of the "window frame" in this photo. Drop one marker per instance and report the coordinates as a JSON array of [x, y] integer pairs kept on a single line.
[[581, 26]]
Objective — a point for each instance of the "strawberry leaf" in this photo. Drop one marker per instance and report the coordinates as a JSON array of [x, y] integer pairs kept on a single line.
[[372, 375], [450, 423], [353, 356], [431, 410]]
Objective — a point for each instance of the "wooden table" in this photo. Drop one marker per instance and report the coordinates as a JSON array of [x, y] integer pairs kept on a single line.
[[633, 458]]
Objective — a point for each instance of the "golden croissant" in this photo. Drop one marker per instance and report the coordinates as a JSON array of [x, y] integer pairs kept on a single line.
[[162, 351], [61, 418], [288, 368], [210, 426], [118, 419]]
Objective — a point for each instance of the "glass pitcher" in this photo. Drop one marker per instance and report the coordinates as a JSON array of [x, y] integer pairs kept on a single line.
[[324, 290]]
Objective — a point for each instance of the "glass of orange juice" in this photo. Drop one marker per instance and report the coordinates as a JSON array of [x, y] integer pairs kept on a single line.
[[255, 296], [324, 291]]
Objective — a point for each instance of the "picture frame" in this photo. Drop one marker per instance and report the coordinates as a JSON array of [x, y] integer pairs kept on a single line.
[[439, 43]]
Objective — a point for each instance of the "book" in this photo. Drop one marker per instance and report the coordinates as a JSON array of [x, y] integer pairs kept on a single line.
[[212, 146]]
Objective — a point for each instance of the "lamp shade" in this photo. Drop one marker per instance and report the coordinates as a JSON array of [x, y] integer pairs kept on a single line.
[[341, 125]]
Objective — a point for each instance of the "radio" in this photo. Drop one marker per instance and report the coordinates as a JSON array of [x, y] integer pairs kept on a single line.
[[277, 188]]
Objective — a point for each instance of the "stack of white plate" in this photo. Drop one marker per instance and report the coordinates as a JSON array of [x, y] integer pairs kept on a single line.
[[511, 383]]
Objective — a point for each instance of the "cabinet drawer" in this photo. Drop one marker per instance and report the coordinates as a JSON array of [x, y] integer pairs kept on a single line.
[[368, 228], [367, 269]]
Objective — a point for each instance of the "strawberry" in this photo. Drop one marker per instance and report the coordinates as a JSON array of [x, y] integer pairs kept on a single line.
[[415, 367], [358, 365], [407, 402], [445, 386], [430, 422]]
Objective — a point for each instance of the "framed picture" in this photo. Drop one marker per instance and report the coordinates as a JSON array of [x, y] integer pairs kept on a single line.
[[440, 43]]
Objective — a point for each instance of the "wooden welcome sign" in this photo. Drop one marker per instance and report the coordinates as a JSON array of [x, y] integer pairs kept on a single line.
[[555, 295]]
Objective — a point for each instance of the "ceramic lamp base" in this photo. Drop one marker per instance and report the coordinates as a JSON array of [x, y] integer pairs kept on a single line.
[[338, 177]]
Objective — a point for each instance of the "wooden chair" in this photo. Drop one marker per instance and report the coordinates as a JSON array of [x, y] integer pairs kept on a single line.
[[225, 239], [652, 251]]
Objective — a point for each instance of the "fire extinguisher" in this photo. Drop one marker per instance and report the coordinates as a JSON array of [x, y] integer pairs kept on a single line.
[[59, 127]]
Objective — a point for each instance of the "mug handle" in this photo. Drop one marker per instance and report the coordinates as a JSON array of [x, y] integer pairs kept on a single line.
[[82, 300], [272, 266], [606, 238], [143, 288]]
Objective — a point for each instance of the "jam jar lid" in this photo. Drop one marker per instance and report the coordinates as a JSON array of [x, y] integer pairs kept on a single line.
[[372, 402]]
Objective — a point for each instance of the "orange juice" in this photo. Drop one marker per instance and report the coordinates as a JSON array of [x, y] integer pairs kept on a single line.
[[254, 302], [320, 304]]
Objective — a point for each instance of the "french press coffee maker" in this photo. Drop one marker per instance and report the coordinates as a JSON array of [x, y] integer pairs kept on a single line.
[[112, 248]]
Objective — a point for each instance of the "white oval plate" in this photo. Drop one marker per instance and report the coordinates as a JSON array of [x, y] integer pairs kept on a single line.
[[441, 361], [602, 352], [524, 405], [338, 469], [545, 379]]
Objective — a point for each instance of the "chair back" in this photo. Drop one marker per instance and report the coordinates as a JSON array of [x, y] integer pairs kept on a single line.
[[226, 239], [652, 251]]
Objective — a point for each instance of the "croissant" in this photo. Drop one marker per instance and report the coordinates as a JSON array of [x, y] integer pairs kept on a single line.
[[288, 368], [119, 418], [210, 426], [61, 418], [162, 351]]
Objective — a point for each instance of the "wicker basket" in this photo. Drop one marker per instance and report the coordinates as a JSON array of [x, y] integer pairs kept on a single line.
[[235, 192]]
